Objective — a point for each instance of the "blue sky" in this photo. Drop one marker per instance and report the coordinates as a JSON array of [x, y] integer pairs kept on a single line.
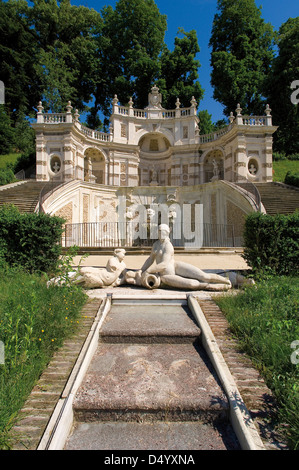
[[198, 15]]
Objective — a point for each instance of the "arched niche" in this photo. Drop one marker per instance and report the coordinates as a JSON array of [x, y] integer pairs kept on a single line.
[[155, 159], [213, 165], [94, 166]]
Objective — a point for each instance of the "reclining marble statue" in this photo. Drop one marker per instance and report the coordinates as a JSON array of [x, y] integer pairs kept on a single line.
[[161, 269], [90, 277]]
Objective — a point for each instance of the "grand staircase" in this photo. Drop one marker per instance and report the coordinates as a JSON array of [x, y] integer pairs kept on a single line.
[[278, 198], [24, 196]]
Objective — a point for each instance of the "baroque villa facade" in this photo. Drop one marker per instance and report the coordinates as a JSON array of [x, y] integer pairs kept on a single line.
[[152, 155]]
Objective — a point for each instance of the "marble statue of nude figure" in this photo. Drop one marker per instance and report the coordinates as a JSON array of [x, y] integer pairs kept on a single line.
[[90, 278], [173, 273]]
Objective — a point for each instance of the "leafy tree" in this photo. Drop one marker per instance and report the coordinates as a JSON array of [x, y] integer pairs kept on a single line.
[[18, 54], [179, 71], [128, 48], [206, 125], [66, 58], [6, 131], [58, 52], [133, 57], [242, 52], [284, 72], [205, 122]]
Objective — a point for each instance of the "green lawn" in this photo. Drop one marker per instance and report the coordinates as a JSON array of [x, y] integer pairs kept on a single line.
[[34, 321], [281, 168], [265, 319], [8, 158]]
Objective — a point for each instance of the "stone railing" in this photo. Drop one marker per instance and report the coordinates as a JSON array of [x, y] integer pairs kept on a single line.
[[240, 121], [54, 118], [97, 135], [163, 113], [247, 186], [205, 138]]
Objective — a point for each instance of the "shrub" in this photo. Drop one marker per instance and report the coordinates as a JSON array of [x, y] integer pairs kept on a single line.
[[6, 176], [292, 178], [272, 243], [26, 160], [279, 156], [293, 157], [30, 240]]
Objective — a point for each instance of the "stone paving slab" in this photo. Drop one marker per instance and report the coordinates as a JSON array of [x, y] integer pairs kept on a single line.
[[152, 323], [153, 436], [134, 381], [219, 260]]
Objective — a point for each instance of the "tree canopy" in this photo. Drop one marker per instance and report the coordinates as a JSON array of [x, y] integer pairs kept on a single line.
[[58, 52], [284, 72], [242, 53], [55, 52]]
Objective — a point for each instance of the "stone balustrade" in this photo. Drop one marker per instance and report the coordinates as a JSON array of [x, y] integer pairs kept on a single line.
[[254, 120], [102, 136], [178, 113], [54, 118], [205, 138]]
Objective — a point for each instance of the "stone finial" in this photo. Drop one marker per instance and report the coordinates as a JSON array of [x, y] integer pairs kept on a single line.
[[155, 98], [69, 107], [76, 115], [131, 102], [193, 102], [177, 103], [268, 115], [238, 109], [268, 110], [115, 99], [231, 117], [40, 107]]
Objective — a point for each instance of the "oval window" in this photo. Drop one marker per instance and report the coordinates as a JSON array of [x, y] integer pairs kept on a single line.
[[55, 164]]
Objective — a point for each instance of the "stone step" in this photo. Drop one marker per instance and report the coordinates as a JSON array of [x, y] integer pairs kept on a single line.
[[24, 196], [149, 365], [278, 199], [155, 436], [150, 382], [149, 323], [150, 385]]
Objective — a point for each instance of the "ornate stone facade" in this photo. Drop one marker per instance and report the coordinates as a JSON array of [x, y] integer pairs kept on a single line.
[[149, 157], [153, 141]]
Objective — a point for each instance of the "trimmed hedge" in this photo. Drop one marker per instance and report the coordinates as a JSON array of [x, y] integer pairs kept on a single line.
[[31, 241], [292, 178], [272, 243]]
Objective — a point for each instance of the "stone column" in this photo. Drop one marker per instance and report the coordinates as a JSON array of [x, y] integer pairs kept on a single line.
[[240, 156], [42, 173], [201, 173], [68, 161]]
